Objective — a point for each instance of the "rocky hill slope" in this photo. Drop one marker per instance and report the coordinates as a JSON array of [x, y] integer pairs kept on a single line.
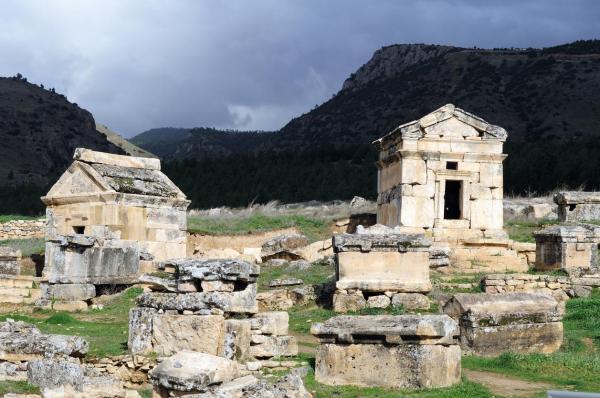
[[536, 94], [39, 131]]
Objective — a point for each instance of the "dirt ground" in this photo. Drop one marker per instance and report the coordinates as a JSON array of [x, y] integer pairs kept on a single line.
[[506, 386]]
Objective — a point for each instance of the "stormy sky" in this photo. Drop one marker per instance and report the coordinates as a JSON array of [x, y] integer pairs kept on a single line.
[[246, 64]]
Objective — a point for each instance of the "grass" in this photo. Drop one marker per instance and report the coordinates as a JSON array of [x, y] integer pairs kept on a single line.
[[27, 246], [575, 366], [522, 230], [106, 330], [313, 275], [10, 217], [314, 228], [17, 387]]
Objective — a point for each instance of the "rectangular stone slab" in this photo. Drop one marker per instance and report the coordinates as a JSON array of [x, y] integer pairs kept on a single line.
[[391, 329], [385, 242], [497, 309], [234, 302], [195, 269], [521, 338], [384, 271], [378, 365]]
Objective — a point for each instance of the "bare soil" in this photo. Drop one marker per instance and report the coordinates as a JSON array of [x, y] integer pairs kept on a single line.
[[506, 386]]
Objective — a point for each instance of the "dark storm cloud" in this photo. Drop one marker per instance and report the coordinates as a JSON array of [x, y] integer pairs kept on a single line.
[[246, 64]]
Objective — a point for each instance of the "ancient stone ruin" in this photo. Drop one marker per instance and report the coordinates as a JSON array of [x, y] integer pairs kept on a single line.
[[379, 267], [195, 374], [567, 247], [442, 175], [10, 261], [560, 287], [578, 206], [208, 306], [403, 351], [108, 217], [522, 322]]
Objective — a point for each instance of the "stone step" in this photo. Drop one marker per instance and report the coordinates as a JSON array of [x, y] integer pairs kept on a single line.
[[14, 291], [12, 299], [16, 283]]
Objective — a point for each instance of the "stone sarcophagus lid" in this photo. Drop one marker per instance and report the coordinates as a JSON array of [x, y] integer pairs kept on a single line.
[[567, 247], [574, 206], [443, 174], [396, 262], [522, 322], [402, 351]]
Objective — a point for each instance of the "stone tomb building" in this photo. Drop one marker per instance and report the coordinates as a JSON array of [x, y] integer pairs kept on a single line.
[[108, 216], [442, 174]]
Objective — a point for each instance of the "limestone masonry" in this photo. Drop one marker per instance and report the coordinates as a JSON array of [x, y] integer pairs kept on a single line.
[[523, 322], [567, 246], [208, 306], [379, 267], [108, 215], [22, 229], [403, 351], [578, 206], [443, 173]]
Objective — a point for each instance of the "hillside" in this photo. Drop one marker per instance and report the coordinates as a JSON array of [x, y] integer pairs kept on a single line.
[[548, 100], [39, 131]]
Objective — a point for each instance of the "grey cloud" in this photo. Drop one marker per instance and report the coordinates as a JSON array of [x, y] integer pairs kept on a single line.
[[246, 64]]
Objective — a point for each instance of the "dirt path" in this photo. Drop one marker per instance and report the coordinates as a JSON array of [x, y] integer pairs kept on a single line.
[[504, 385]]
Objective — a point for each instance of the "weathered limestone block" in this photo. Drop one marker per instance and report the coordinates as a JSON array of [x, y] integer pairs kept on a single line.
[[405, 351], [237, 339], [10, 261], [140, 329], [567, 246], [411, 301], [201, 333], [532, 322], [265, 346], [68, 292], [243, 301], [379, 263], [378, 365], [285, 246], [74, 259], [344, 301], [21, 341], [578, 206], [388, 329], [193, 371], [274, 323], [217, 286], [195, 269], [379, 301]]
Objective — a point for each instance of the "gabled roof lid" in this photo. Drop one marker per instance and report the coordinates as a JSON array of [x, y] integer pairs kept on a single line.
[[415, 129], [117, 173]]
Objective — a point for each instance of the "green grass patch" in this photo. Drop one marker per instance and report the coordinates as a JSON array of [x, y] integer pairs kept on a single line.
[[314, 228], [522, 230], [106, 330], [27, 246], [313, 275], [11, 217], [17, 387], [576, 365]]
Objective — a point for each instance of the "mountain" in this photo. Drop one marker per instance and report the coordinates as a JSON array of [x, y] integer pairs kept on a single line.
[[126, 146], [548, 100], [180, 143], [39, 131]]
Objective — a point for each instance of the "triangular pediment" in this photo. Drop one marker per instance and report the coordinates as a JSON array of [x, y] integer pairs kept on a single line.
[[78, 179]]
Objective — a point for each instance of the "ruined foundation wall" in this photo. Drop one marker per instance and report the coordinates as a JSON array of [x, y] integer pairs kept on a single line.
[[23, 229]]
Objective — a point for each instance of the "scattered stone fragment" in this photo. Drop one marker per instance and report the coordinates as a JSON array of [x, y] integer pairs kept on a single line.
[[285, 282]]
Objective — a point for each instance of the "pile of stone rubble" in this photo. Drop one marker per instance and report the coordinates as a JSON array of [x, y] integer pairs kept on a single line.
[[208, 306]]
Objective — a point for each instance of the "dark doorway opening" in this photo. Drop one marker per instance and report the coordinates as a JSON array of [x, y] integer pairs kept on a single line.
[[452, 200]]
